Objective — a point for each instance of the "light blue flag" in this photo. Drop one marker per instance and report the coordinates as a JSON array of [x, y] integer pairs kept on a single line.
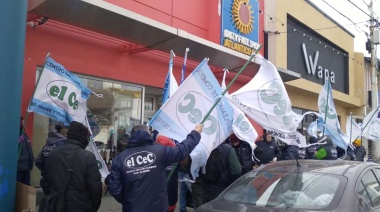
[[60, 94], [187, 107], [312, 130], [171, 84], [337, 136], [330, 117]]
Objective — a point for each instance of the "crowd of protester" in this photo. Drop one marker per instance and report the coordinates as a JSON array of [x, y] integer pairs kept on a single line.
[[155, 168]]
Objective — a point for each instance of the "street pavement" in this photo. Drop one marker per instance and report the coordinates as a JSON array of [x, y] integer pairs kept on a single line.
[[109, 204]]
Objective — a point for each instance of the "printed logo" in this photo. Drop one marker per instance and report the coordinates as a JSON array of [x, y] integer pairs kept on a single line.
[[140, 160], [63, 94]]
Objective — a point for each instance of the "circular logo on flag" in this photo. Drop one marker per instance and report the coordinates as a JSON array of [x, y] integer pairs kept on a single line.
[[100, 166]]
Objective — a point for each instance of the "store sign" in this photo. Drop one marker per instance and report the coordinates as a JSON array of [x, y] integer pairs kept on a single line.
[[315, 57], [314, 68], [240, 25]]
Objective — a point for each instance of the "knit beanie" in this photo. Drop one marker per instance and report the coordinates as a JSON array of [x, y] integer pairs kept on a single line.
[[79, 132]]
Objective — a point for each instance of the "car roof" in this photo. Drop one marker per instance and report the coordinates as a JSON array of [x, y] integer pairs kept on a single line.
[[337, 167]]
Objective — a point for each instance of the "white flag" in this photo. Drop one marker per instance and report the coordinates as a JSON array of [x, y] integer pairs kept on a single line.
[[59, 94], [171, 84], [104, 172], [188, 106], [353, 130], [371, 125], [265, 100], [241, 126]]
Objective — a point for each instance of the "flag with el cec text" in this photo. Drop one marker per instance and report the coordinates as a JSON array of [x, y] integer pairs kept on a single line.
[[188, 106], [264, 99], [59, 94]]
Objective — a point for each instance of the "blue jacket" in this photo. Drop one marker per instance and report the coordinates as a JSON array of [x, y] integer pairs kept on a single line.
[[138, 174]]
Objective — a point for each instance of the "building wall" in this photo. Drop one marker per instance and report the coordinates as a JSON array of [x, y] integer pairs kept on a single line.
[[304, 93]]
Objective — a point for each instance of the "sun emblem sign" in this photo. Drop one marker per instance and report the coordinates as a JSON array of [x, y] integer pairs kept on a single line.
[[242, 16]]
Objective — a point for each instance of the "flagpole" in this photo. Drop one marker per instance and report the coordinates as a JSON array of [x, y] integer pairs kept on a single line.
[[351, 127], [327, 105], [371, 118], [229, 85], [34, 91]]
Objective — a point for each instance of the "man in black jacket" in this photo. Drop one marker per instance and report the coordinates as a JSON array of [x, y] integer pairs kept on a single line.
[[271, 150], [244, 153], [72, 163], [138, 174]]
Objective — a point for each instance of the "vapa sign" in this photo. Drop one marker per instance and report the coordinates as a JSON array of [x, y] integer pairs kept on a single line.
[[240, 25], [313, 67]]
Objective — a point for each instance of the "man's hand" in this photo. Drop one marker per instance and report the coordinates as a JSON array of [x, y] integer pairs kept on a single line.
[[199, 128]]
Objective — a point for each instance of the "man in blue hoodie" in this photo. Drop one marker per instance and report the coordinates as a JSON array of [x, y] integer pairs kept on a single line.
[[138, 174]]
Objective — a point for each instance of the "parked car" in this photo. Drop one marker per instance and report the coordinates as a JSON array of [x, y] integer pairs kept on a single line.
[[306, 185]]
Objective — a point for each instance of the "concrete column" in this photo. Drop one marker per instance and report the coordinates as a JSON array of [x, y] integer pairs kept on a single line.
[[12, 42]]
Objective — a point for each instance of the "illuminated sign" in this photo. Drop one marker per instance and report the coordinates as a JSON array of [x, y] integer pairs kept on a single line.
[[240, 25]]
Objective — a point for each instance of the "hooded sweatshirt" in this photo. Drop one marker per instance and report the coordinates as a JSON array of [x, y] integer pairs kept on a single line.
[[54, 140], [138, 174]]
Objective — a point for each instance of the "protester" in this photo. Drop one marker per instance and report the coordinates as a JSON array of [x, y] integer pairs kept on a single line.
[[184, 187], [302, 153], [25, 158], [359, 151], [289, 152], [138, 174], [244, 153], [347, 154], [271, 150], [73, 171], [327, 150], [171, 175], [54, 140], [310, 150], [222, 169]]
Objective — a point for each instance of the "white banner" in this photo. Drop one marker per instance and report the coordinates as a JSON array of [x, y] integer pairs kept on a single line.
[[187, 107], [265, 100], [60, 94], [371, 125], [241, 126], [92, 148], [353, 130]]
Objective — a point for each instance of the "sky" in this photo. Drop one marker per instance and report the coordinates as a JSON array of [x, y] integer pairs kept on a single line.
[[355, 15]]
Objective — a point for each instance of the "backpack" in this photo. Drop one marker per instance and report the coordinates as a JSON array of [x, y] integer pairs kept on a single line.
[[214, 166]]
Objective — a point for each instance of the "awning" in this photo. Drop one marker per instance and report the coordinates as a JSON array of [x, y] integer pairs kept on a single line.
[[111, 20]]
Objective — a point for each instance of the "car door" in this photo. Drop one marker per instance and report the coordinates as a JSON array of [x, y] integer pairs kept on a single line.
[[368, 190]]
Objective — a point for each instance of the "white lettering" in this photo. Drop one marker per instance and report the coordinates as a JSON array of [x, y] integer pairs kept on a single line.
[[311, 66]]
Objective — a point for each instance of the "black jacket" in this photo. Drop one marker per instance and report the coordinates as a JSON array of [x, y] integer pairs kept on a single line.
[[85, 189], [270, 149], [138, 174], [244, 154], [290, 152], [26, 158], [360, 153], [54, 140]]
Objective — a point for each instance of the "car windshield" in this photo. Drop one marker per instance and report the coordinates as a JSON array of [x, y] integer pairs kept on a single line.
[[287, 187]]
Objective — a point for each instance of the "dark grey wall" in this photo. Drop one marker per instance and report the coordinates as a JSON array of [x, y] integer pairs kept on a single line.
[[336, 64]]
